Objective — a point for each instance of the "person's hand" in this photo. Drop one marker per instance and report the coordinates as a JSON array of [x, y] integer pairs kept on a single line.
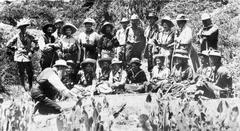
[[30, 54]]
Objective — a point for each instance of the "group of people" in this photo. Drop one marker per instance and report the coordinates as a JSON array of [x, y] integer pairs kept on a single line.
[[108, 63]]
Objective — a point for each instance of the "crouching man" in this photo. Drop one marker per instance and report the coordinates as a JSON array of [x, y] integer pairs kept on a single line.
[[48, 87]]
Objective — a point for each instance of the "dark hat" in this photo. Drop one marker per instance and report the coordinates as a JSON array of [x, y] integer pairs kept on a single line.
[[69, 25], [88, 61], [135, 60], [45, 27], [105, 25], [168, 20], [152, 15]]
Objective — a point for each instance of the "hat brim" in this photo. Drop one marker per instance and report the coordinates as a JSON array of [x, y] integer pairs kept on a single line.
[[182, 19], [22, 25], [168, 21], [44, 28], [139, 64], [118, 63], [124, 21], [180, 56], [74, 29], [66, 66]]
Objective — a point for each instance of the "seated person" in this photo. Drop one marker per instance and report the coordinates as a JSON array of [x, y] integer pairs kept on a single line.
[[160, 74], [117, 78], [86, 78], [103, 75], [135, 76]]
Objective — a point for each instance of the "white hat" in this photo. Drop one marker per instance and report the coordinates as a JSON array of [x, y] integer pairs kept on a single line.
[[89, 20], [69, 25], [116, 61], [205, 16], [58, 21], [61, 62], [124, 20], [215, 53], [134, 17], [182, 17], [23, 22]]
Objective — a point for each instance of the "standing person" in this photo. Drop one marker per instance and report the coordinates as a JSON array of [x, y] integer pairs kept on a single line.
[[48, 47], [69, 46], [22, 43], [165, 40], [151, 34], [58, 33], [121, 37], [183, 39], [89, 39], [108, 41], [135, 39], [48, 87], [118, 76], [208, 34]]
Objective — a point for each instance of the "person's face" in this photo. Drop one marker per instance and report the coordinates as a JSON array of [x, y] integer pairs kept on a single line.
[[23, 29], [61, 71], [108, 29], [181, 23], [49, 30], [214, 60], [207, 22], [204, 59], [105, 64], [124, 25], [159, 62], [152, 20], [166, 27], [68, 31], [134, 66], [89, 68], [135, 22], [116, 67], [179, 60], [88, 26]]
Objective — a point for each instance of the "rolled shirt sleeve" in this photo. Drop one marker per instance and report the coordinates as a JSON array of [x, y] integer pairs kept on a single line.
[[55, 81]]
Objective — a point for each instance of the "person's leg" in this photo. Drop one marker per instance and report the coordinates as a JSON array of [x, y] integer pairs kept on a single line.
[[129, 51], [29, 69], [21, 73]]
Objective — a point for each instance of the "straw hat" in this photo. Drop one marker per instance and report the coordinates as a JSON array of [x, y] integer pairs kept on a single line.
[[116, 61], [134, 17], [161, 56], [204, 53], [23, 22], [89, 20], [182, 17], [205, 16], [167, 19], [58, 21], [179, 53], [152, 15], [215, 53], [135, 60], [88, 61], [105, 25], [69, 25], [45, 27], [105, 58], [60, 62], [124, 20]]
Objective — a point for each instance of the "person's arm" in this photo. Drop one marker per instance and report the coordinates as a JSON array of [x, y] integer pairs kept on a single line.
[[110, 79], [123, 79], [41, 43], [210, 31], [187, 36], [79, 51], [12, 42]]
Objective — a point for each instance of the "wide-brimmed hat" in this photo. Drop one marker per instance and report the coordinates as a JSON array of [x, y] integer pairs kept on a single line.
[[69, 25], [152, 15], [105, 58], [115, 61], [124, 20], [88, 61], [45, 27], [134, 17], [105, 25], [168, 20], [58, 21], [204, 53], [60, 62], [205, 16], [182, 17], [215, 53], [70, 62], [89, 20], [136, 61], [23, 22]]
